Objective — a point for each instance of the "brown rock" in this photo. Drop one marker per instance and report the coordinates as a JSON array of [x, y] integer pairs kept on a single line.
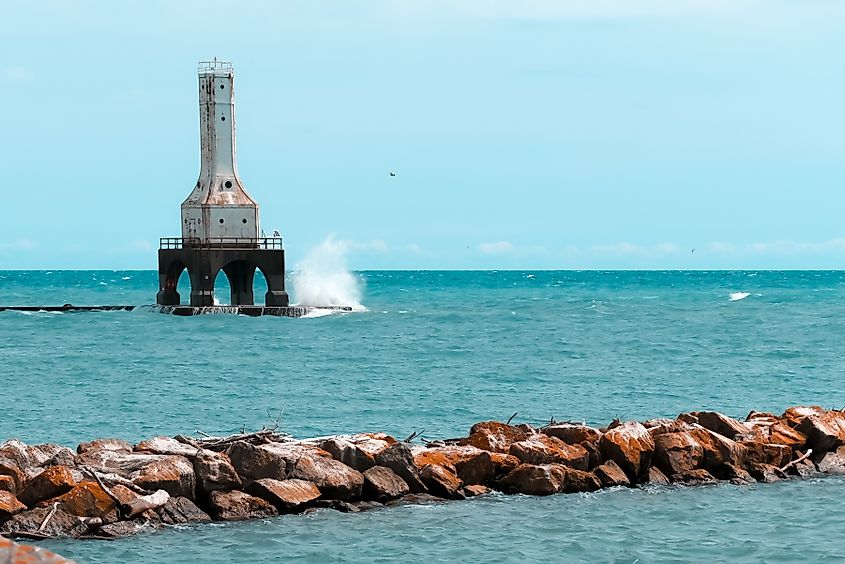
[[239, 506], [718, 449], [804, 469], [722, 424], [694, 477], [173, 474], [761, 416], [572, 434], [61, 524], [334, 479], [86, 499], [544, 449], [116, 445], [399, 458], [660, 426], [794, 415], [533, 479], [9, 505], [655, 477], [7, 484], [52, 482], [610, 474], [594, 454], [765, 473], [765, 453], [832, 462], [782, 434], [675, 453], [122, 529], [382, 484], [494, 436], [452, 457], [14, 553], [255, 462], [504, 463], [691, 418], [349, 453], [478, 470], [181, 510], [824, 431], [736, 474], [10, 468], [287, 496], [214, 471], [629, 445], [580, 481], [441, 482], [476, 490]]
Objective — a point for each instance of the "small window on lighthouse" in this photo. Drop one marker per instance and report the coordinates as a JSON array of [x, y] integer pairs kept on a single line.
[[244, 220], [222, 118], [222, 87], [221, 220], [228, 184]]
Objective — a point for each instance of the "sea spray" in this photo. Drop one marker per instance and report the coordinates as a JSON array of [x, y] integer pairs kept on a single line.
[[323, 279]]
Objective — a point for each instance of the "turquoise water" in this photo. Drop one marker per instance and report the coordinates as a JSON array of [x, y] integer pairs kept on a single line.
[[438, 351]]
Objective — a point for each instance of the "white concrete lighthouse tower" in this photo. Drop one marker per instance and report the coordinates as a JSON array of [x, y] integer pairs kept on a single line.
[[219, 206], [220, 228]]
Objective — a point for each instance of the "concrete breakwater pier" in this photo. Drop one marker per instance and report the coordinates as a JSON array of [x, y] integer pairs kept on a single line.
[[180, 310], [110, 488]]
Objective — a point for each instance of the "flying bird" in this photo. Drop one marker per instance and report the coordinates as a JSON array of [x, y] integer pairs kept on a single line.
[[393, 174]]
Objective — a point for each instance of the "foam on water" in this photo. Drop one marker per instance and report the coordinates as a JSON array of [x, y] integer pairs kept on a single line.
[[323, 279], [736, 296]]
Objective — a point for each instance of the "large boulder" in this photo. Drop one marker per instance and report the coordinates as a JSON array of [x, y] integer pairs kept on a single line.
[[610, 474], [631, 446], [782, 434], [494, 436], [288, 496], [832, 462], [61, 524], [718, 449], [7, 484], [117, 445], [52, 482], [824, 431], [544, 449], [675, 453], [9, 505], [654, 477], [173, 474], [86, 499], [441, 482], [383, 484], [17, 478], [345, 451], [399, 458], [694, 477], [766, 453], [580, 481], [122, 529], [236, 505], [14, 553], [531, 479], [480, 469], [181, 510], [254, 462], [765, 473], [214, 471], [722, 424], [335, 479], [572, 434], [449, 456]]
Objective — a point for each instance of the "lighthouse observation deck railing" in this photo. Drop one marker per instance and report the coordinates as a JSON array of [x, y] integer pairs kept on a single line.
[[268, 243]]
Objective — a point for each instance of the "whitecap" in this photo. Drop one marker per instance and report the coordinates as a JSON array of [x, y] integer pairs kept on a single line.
[[736, 296]]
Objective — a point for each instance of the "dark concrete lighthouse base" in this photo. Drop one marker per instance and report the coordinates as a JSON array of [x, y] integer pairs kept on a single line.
[[204, 262]]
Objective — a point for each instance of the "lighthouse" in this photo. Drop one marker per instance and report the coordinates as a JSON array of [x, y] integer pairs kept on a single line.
[[220, 220]]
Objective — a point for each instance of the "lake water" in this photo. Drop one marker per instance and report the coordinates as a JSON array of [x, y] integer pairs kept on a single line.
[[436, 351]]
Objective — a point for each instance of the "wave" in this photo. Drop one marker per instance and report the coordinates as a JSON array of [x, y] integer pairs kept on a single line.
[[736, 296]]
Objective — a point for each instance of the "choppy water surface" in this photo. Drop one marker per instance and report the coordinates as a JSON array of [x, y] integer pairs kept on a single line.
[[438, 351]]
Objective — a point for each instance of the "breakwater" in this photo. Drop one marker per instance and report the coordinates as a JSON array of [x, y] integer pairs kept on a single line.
[[110, 488]]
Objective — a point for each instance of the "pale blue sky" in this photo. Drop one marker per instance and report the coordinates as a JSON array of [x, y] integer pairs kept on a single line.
[[531, 134]]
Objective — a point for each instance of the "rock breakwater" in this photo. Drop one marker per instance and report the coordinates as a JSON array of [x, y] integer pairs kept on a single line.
[[110, 488]]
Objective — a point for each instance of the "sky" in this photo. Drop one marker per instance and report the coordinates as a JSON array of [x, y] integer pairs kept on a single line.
[[540, 134]]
